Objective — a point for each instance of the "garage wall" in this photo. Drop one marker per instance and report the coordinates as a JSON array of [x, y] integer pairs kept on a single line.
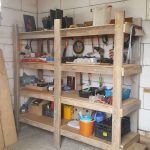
[[80, 11], [12, 13]]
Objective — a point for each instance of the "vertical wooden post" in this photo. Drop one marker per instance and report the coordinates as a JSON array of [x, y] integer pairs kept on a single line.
[[57, 82], [39, 51], [78, 81], [16, 75], [1, 136], [117, 80]]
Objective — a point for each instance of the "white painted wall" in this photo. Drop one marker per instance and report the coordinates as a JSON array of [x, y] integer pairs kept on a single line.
[[12, 13], [80, 11]]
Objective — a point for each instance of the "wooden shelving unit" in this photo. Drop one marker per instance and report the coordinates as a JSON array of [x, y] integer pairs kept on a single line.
[[118, 70], [42, 122]]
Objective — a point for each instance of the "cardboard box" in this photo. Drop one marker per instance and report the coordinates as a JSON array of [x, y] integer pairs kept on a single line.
[[35, 106]]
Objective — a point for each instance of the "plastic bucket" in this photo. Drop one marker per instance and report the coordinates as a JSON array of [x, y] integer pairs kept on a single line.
[[68, 112], [86, 128]]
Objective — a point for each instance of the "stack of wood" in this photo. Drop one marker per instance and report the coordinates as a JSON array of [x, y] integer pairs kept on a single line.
[[8, 134]]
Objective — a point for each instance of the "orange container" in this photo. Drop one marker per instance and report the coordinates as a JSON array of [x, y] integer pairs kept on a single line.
[[86, 128]]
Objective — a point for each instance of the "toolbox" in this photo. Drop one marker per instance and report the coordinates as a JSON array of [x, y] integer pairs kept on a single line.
[[103, 129]]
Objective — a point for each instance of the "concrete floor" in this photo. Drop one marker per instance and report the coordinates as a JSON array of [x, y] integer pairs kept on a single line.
[[31, 138]]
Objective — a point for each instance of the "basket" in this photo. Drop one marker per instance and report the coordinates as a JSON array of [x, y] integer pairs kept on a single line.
[[103, 129]]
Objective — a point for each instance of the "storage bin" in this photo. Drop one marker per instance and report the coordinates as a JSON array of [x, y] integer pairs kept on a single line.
[[68, 110], [104, 129], [86, 128]]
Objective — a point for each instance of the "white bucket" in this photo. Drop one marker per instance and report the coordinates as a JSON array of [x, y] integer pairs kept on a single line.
[[102, 15]]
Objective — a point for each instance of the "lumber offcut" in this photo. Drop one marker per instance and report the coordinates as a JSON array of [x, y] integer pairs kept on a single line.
[[7, 117]]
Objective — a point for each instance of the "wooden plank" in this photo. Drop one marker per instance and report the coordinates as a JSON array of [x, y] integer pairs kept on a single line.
[[44, 66], [16, 57], [88, 31], [97, 69], [131, 69], [7, 117], [129, 139], [138, 31], [117, 80], [72, 98], [137, 146], [42, 122], [57, 82], [36, 35], [78, 81], [75, 135], [129, 106], [1, 136], [146, 90], [127, 69], [46, 95]]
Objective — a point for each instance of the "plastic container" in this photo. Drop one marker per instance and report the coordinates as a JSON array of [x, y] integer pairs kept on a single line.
[[102, 15], [68, 112], [126, 93], [86, 118], [103, 129], [86, 128], [88, 92], [99, 116]]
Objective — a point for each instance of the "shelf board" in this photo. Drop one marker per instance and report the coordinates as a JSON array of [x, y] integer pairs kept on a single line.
[[36, 65], [129, 106], [42, 122], [73, 98], [46, 95], [138, 30], [108, 29], [72, 133], [75, 135], [127, 69], [129, 139], [36, 35]]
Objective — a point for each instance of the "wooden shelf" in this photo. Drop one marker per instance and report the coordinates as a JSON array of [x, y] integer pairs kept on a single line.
[[74, 134], [42, 122], [46, 95], [129, 106], [72, 98], [36, 35], [34, 65], [127, 69], [108, 29], [88, 31]]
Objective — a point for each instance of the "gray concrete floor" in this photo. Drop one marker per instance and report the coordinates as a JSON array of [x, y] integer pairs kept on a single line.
[[31, 138]]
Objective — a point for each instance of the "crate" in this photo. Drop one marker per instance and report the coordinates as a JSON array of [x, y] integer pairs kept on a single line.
[[103, 129]]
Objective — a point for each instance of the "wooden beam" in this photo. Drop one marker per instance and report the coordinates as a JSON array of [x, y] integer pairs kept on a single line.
[[16, 75], [57, 82], [1, 136], [78, 81], [117, 80], [43, 122], [7, 116]]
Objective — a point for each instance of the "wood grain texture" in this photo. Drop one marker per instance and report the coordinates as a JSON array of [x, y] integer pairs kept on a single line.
[[57, 82], [7, 117], [16, 56], [117, 79], [42, 122], [1, 136]]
